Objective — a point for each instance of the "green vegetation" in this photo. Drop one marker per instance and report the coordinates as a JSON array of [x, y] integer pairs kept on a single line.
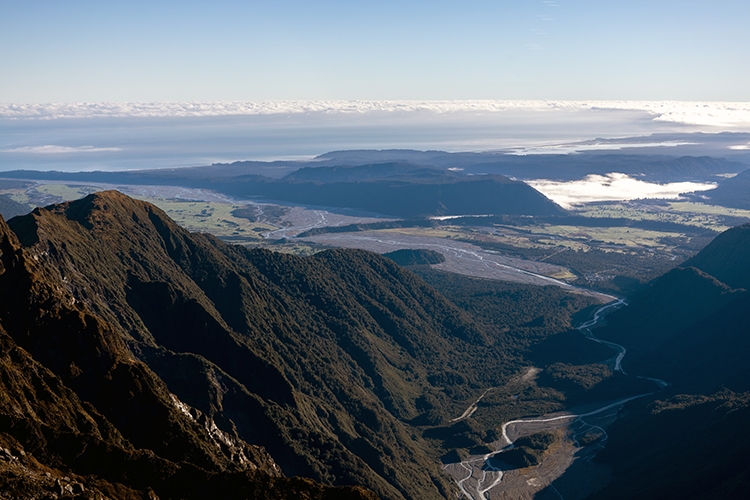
[[531, 324], [689, 328], [417, 257], [527, 451], [699, 215], [64, 191], [514, 315], [344, 366], [218, 219], [733, 192], [10, 208]]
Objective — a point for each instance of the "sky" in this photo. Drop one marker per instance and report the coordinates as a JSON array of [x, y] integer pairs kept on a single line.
[[107, 51], [89, 85]]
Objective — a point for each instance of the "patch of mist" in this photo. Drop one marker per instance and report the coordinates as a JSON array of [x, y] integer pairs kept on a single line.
[[612, 187]]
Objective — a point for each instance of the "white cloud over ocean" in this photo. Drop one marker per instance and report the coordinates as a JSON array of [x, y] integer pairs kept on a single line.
[[52, 149]]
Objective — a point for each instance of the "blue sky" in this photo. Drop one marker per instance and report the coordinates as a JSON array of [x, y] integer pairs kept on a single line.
[[52, 51]]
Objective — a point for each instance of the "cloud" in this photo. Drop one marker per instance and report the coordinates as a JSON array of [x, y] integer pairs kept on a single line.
[[708, 114], [598, 145], [612, 187], [50, 149]]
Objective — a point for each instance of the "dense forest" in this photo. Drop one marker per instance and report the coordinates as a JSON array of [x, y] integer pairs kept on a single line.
[[733, 192], [341, 367], [139, 357], [689, 328]]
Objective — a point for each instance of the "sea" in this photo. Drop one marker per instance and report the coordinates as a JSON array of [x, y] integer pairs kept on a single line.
[[133, 136]]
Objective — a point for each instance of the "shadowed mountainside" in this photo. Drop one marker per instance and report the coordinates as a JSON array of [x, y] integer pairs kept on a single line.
[[399, 189], [186, 349], [693, 316], [82, 417], [733, 192], [10, 208], [690, 328]]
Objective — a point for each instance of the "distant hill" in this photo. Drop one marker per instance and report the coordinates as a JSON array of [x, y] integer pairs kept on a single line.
[[396, 189], [411, 197], [360, 165], [408, 190], [10, 208], [368, 172], [645, 167], [733, 192], [651, 167], [727, 257], [419, 257], [407, 184]]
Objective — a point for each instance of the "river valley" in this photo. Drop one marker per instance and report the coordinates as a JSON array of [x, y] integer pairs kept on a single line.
[[579, 434]]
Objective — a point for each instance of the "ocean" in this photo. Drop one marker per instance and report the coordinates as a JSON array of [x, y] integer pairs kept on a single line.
[[130, 136]]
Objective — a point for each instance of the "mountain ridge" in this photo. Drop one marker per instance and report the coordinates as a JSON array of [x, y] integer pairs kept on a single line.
[[183, 300], [90, 370]]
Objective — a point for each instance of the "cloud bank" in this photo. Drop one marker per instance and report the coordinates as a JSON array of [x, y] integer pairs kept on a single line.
[[708, 114], [51, 149], [612, 187]]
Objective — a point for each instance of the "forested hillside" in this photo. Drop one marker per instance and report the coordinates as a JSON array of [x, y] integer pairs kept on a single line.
[[734, 192], [690, 328], [212, 360]]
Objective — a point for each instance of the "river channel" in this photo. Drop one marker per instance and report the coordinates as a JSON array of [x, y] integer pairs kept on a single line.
[[581, 434]]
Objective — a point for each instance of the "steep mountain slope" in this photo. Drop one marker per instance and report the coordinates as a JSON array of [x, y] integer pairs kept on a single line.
[[663, 311], [688, 446], [76, 403], [689, 328], [10, 208], [693, 312], [320, 360], [727, 257]]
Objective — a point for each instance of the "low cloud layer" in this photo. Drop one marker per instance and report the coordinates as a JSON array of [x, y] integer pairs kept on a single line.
[[612, 187], [54, 150], [707, 114]]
